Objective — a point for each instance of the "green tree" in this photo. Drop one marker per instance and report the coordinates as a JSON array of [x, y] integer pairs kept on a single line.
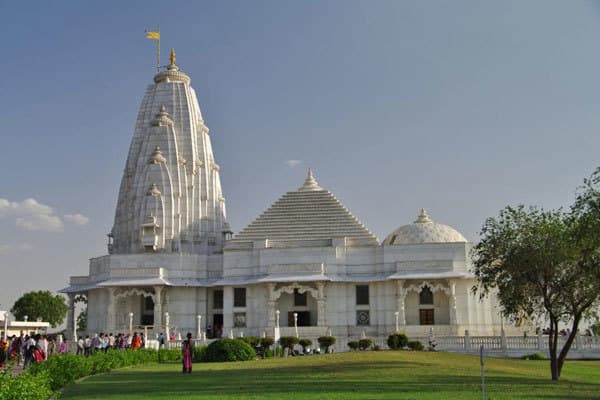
[[41, 304], [595, 328], [534, 261]]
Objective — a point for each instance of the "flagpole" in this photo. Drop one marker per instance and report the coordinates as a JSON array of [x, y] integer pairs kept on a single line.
[[158, 50]]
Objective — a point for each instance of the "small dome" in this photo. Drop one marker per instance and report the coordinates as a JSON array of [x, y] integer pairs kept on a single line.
[[423, 230]]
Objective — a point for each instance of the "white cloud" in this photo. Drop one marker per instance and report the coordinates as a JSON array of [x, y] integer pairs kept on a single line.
[[26, 207], [293, 163], [14, 248], [77, 219], [40, 222], [31, 215]]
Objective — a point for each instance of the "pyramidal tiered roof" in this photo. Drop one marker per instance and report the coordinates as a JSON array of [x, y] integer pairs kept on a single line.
[[309, 213]]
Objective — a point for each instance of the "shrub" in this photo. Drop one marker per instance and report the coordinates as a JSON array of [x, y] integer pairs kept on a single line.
[[326, 342], [304, 343], [288, 342], [270, 353], [353, 345], [375, 347], [199, 353], [169, 355], [267, 342], [229, 350], [415, 345], [397, 341], [25, 386], [251, 340], [364, 344], [534, 356]]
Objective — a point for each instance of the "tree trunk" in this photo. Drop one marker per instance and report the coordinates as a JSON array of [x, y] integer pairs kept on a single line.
[[553, 344], [563, 352]]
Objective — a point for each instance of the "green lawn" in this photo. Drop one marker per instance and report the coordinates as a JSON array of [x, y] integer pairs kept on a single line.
[[359, 375]]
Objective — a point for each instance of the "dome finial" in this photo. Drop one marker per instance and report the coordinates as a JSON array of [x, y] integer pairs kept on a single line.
[[423, 218], [172, 58], [310, 183]]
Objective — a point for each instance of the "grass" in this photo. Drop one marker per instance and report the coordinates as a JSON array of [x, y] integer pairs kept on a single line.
[[356, 375]]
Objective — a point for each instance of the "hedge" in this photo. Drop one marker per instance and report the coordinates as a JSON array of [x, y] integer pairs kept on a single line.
[[25, 386], [66, 368]]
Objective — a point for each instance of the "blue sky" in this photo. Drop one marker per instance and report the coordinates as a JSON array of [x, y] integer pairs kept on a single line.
[[461, 107]]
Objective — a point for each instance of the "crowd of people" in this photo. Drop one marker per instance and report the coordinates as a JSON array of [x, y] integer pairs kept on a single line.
[[27, 349], [104, 342]]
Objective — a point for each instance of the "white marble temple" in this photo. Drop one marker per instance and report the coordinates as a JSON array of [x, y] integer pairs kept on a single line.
[[171, 251]]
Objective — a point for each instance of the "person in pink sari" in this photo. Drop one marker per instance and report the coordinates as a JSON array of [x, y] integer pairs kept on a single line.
[[187, 348]]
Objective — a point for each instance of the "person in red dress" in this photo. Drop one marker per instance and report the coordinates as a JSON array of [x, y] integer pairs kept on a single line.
[[187, 348]]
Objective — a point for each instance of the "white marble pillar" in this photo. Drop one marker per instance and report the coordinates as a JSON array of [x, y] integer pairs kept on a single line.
[[321, 305], [271, 305], [400, 301], [452, 302], [71, 322], [158, 308], [227, 308], [199, 326], [110, 310]]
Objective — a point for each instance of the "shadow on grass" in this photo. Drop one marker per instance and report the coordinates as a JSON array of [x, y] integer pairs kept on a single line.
[[381, 379]]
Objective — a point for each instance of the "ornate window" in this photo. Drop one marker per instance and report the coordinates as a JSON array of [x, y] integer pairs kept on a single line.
[[299, 298], [426, 296], [362, 295], [239, 297], [363, 318], [239, 320], [426, 316]]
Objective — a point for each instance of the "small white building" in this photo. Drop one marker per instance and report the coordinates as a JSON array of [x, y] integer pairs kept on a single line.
[[172, 251], [14, 327]]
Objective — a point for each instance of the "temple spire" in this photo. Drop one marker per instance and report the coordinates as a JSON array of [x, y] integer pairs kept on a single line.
[[310, 183], [423, 218]]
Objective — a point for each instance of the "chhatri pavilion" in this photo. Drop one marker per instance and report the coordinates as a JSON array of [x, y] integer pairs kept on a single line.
[[305, 261]]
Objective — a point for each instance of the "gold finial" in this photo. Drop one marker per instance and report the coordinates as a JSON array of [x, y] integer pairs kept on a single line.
[[172, 57]]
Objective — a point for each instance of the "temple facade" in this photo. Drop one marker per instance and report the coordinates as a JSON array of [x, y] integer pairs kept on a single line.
[[306, 265]]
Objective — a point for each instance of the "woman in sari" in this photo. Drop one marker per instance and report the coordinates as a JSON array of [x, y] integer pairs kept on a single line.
[[136, 342], [187, 348]]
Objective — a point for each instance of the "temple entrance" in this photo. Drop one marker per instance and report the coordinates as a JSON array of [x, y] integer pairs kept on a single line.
[[307, 300], [217, 330], [147, 311], [303, 318]]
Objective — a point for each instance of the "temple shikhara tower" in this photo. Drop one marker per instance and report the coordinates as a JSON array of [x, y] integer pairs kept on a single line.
[[306, 263]]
